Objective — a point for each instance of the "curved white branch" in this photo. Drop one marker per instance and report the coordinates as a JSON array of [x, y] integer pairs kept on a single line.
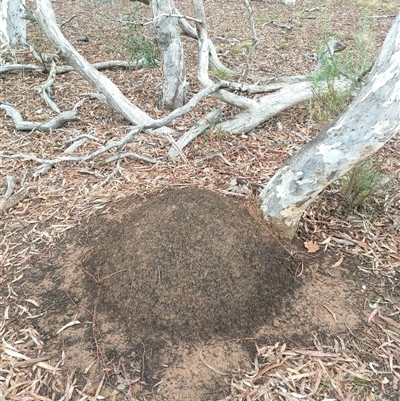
[[54, 123], [44, 16]]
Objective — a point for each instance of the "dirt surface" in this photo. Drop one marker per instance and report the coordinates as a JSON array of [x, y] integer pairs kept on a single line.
[[138, 281], [185, 279]]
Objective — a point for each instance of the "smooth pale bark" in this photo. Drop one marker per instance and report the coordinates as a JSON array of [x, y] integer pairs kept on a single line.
[[12, 25], [369, 122], [274, 103], [205, 123], [173, 61], [44, 16], [103, 65], [234, 100], [55, 123]]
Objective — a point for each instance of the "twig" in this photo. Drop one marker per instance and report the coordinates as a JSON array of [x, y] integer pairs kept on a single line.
[[100, 280], [87, 136], [383, 16], [32, 361], [194, 132], [334, 316], [116, 170], [177, 148], [132, 155], [177, 15], [273, 22], [68, 20], [96, 333], [143, 363], [218, 372], [214, 155]]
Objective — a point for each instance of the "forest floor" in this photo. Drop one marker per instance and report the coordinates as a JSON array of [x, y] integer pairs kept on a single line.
[[159, 281]]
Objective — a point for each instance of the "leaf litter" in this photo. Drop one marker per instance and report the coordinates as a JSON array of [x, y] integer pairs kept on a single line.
[[358, 364]]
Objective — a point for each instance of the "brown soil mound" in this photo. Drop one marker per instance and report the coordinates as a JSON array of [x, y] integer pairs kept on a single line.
[[124, 288], [191, 264]]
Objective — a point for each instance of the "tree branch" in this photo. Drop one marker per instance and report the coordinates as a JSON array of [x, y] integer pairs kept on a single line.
[[8, 200], [195, 131], [103, 65], [54, 123], [46, 164], [44, 16], [45, 89]]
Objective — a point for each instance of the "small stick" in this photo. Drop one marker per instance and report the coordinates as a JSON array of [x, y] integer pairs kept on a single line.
[[218, 372], [32, 361], [143, 362], [334, 316]]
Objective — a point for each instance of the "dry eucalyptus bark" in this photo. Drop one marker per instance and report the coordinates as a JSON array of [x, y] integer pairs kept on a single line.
[[370, 121]]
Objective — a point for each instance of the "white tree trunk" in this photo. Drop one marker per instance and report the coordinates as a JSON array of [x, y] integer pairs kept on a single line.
[[369, 122], [12, 25], [173, 61]]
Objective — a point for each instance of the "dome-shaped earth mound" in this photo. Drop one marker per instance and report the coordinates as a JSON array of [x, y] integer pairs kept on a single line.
[[189, 263]]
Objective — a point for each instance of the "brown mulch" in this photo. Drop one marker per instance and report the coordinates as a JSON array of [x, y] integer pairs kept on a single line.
[[334, 335]]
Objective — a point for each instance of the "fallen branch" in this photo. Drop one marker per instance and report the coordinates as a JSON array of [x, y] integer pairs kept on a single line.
[[44, 16], [103, 65], [133, 156], [8, 200], [54, 123], [45, 89], [274, 103], [195, 131], [46, 164]]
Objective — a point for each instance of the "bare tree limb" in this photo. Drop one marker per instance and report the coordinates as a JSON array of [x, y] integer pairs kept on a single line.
[[9, 200], [103, 65], [54, 123], [133, 156], [195, 131], [44, 16], [45, 89], [46, 164], [230, 98]]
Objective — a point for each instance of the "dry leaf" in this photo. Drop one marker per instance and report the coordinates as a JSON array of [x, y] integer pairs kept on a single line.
[[73, 323], [311, 246], [339, 262]]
